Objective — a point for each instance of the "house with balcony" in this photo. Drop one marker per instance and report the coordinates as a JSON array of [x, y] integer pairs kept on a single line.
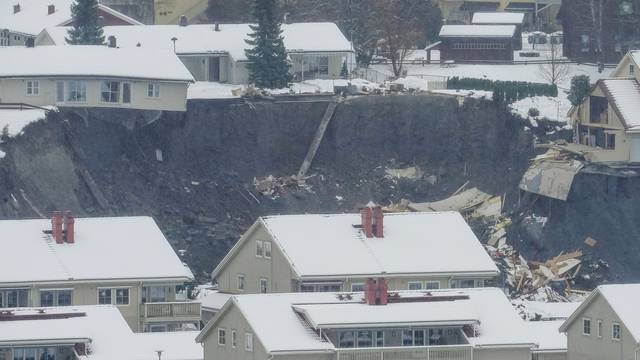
[[122, 261], [338, 252], [97, 332], [445, 324], [93, 77], [606, 325], [607, 122], [216, 52], [22, 20]]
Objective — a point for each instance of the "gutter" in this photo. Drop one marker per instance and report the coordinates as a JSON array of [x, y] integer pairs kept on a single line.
[[298, 352], [397, 275], [68, 341], [395, 325], [94, 77], [92, 281], [504, 346]]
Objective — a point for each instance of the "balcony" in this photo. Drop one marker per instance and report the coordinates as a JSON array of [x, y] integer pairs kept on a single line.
[[172, 310], [449, 352]]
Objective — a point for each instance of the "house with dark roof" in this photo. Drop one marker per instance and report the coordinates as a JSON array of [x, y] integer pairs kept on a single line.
[[478, 43]]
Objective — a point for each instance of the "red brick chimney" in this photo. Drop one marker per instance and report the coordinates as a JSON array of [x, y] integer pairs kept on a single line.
[[366, 215], [69, 227], [378, 222], [376, 292], [56, 227], [372, 220], [51, 9]]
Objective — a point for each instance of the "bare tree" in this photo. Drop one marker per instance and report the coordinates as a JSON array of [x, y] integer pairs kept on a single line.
[[555, 69]]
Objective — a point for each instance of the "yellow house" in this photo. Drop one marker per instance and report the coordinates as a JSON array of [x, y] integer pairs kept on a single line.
[[168, 12]]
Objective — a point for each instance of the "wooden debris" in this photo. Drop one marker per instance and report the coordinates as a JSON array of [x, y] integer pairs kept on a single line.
[[590, 241]]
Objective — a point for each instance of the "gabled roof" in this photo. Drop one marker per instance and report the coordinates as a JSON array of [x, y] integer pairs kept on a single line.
[[285, 322], [548, 336], [105, 250], [623, 301], [477, 31], [33, 15], [100, 325], [507, 18], [624, 96], [414, 243], [230, 39], [92, 61]]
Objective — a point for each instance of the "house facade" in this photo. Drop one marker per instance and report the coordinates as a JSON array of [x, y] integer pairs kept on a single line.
[[95, 261], [22, 20], [461, 324], [98, 76], [217, 52], [606, 124], [606, 325], [477, 43]]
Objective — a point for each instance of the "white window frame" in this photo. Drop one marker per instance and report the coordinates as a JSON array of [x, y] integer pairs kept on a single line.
[[115, 298], [234, 338], [427, 283], [419, 283], [584, 322], [266, 281], [112, 295], [33, 86], [248, 341], [111, 92], [266, 249], [222, 337], [56, 294], [259, 248], [357, 284], [241, 279], [613, 331], [80, 85], [153, 90], [599, 328]]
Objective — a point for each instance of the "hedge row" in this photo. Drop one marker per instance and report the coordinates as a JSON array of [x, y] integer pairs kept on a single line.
[[507, 91]]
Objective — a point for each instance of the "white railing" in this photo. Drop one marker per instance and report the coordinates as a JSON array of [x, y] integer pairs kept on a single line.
[[451, 352], [172, 309]]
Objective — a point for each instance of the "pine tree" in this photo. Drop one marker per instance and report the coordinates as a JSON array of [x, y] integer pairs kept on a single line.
[[268, 65], [4, 135], [344, 72], [86, 27]]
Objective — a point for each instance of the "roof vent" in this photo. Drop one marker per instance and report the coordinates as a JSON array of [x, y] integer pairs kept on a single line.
[[113, 42], [16, 8], [51, 9], [216, 26]]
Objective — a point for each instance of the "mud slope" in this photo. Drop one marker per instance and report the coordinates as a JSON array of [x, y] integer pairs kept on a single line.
[[202, 193]]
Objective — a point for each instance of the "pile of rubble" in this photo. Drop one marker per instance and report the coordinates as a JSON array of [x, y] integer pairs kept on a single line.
[[273, 186]]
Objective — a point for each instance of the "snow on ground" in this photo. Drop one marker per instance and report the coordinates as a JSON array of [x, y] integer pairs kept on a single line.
[[476, 94], [211, 90], [2, 154], [15, 120], [551, 108]]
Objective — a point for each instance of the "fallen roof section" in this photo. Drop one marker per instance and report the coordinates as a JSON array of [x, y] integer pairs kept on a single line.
[[551, 178], [459, 202]]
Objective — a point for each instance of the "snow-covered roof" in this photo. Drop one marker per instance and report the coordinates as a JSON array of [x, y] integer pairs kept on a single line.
[[105, 249], [549, 310], [625, 97], [478, 31], [623, 300], [100, 325], [547, 336], [413, 243], [275, 321], [511, 18], [34, 15], [92, 61], [203, 39], [213, 299]]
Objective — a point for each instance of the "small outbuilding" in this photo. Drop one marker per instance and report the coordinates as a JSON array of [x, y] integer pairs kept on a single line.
[[462, 43]]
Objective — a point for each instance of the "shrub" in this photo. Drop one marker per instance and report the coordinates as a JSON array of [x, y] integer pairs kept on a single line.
[[504, 91]]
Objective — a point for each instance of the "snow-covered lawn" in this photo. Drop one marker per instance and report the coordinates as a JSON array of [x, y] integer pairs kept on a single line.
[[211, 90], [16, 120], [551, 108]]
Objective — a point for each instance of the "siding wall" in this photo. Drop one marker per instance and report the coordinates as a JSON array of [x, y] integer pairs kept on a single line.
[[502, 354], [232, 320], [173, 96], [448, 52]]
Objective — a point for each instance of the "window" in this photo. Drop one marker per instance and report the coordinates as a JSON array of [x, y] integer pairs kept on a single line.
[[365, 338], [31, 354], [75, 91], [611, 141], [267, 249], [466, 283], [248, 341], [153, 90], [599, 328], [263, 285], [259, 248], [104, 296], [234, 339], [407, 337], [585, 43], [126, 93], [241, 282], [586, 326], [321, 287], [56, 297], [323, 65], [154, 294], [418, 338], [110, 92], [379, 338], [33, 87], [346, 339], [615, 331], [11, 298], [415, 285], [59, 91], [222, 336], [122, 296], [432, 285], [357, 287]]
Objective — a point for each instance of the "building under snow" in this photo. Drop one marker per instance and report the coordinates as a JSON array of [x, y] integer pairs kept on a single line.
[[502, 18], [93, 76], [217, 52], [477, 43], [122, 261]]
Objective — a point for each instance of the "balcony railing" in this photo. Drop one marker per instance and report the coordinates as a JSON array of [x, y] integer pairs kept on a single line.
[[451, 352], [172, 310]]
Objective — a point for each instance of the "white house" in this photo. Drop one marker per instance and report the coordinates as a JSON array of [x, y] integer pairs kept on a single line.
[[123, 261], [217, 52], [93, 76], [86, 332], [453, 324], [22, 20]]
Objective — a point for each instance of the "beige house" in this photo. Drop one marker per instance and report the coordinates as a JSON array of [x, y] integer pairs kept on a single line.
[[93, 76], [124, 261], [461, 11], [453, 324], [607, 123], [338, 252], [606, 325], [217, 52], [95, 332]]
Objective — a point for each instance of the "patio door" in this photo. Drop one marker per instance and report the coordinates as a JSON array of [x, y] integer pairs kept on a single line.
[[214, 69]]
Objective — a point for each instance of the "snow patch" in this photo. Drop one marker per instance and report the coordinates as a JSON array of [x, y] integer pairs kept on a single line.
[[552, 108], [16, 120]]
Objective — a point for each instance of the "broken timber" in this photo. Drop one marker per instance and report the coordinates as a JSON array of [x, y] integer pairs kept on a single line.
[[317, 139]]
